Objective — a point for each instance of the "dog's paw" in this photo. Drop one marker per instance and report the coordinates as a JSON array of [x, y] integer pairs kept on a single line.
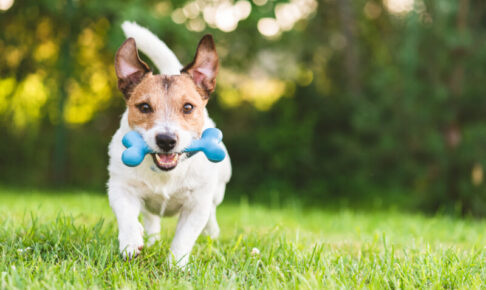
[[179, 263], [212, 230], [213, 233], [152, 239], [131, 243], [130, 251]]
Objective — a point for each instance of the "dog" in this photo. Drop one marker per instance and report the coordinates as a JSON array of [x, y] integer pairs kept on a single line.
[[169, 111]]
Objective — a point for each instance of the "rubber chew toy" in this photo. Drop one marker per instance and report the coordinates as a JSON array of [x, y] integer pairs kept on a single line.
[[136, 149], [209, 144]]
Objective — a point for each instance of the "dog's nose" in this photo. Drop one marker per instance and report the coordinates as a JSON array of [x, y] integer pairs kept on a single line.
[[166, 142]]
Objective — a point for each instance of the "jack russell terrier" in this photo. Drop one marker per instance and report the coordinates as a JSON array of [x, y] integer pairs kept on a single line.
[[169, 112]]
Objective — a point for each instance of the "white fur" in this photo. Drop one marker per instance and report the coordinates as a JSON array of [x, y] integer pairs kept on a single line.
[[193, 189], [154, 48]]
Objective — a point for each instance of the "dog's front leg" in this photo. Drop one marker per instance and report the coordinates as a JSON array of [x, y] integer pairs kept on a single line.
[[192, 220], [130, 232]]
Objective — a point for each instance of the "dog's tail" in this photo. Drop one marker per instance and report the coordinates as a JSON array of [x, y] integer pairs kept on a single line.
[[154, 48]]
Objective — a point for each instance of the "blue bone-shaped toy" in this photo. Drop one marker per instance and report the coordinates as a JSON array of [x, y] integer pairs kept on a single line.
[[210, 144]]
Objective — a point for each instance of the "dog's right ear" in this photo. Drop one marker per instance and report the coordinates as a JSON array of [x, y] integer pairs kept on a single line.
[[130, 69]]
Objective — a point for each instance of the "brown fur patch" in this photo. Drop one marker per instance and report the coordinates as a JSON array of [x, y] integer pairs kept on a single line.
[[166, 81], [167, 96]]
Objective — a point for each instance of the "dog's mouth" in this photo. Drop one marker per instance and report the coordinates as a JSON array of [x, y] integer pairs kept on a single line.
[[166, 161]]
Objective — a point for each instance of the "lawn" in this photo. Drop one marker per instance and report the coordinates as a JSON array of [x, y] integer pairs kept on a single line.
[[68, 240]]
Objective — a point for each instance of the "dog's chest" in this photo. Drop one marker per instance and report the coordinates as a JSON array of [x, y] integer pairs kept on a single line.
[[165, 195], [161, 205]]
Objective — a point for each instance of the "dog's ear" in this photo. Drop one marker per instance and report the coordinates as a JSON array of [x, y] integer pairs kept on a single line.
[[204, 68], [130, 69]]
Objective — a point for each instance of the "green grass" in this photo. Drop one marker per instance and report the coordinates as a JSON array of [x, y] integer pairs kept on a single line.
[[53, 240]]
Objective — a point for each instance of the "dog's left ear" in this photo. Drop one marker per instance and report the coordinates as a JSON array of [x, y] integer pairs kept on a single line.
[[204, 68]]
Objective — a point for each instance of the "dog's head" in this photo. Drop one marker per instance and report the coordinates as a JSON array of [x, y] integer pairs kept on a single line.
[[168, 111]]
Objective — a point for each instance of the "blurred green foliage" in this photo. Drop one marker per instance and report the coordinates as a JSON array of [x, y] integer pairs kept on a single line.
[[355, 100]]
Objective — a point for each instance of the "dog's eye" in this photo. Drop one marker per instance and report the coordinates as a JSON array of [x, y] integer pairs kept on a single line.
[[187, 108], [145, 108]]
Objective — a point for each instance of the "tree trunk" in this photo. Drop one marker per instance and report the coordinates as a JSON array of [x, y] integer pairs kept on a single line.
[[453, 131], [65, 69], [351, 59]]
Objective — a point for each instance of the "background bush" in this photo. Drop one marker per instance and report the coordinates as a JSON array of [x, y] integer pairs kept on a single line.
[[357, 102]]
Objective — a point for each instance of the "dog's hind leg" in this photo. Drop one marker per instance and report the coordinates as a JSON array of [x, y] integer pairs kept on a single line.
[[151, 224], [212, 228]]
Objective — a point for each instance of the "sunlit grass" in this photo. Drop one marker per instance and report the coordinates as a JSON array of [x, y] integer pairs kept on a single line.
[[55, 240]]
